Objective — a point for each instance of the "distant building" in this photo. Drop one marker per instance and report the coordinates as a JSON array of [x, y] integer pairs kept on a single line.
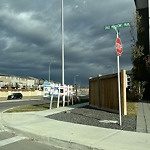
[[4, 81], [18, 82], [21, 82], [33, 82]]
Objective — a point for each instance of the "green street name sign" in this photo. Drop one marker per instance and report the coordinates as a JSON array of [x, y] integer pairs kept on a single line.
[[119, 25]]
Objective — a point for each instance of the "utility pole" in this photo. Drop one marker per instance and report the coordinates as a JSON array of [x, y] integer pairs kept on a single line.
[[49, 71], [62, 19]]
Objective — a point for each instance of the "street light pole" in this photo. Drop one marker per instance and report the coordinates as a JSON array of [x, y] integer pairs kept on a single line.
[[62, 43], [74, 85], [50, 68], [49, 71], [74, 79], [111, 67]]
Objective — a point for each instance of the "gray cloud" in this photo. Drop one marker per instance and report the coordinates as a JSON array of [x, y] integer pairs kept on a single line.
[[30, 37]]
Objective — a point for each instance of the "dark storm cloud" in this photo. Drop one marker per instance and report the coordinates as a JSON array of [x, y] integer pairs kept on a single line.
[[30, 37]]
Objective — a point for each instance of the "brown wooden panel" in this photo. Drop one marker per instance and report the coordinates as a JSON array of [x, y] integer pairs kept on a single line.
[[103, 92]]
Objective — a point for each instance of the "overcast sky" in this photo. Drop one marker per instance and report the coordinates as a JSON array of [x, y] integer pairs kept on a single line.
[[30, 38]]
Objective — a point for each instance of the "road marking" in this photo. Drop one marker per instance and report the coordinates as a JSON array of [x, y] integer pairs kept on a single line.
[[108, 121], [11, 140], [2, 131], [18, 100]]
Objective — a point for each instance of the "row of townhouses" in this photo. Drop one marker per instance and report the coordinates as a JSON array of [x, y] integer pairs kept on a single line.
[[20, 82]]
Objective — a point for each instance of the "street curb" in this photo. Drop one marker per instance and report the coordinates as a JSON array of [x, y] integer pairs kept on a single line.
[[18, 100], [49, 140], [69, 145]]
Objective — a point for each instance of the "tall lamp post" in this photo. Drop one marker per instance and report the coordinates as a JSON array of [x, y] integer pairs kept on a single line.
[[50, 68], [74, 84], [75, 79], [49, 71], [111, 67], [62, 19]]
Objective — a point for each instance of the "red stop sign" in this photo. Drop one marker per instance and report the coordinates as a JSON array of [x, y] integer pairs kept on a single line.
[[118, 46]]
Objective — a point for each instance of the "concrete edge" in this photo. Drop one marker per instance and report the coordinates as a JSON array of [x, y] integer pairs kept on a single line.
[[18, 100], [52, 141], [59, 110], [49, 140]]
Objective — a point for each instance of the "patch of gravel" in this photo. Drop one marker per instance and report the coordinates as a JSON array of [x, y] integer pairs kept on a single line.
[[91, 116]]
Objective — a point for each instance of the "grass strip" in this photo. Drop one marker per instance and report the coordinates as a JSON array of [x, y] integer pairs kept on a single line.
[[41, 107], [132, 108]]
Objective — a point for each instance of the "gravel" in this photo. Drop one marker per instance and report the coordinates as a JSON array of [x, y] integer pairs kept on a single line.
[[95, 117]]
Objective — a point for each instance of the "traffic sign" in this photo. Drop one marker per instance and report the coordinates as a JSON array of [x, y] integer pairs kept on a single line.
[[118, 46], [45, 83], [119, 25], [119, 52]]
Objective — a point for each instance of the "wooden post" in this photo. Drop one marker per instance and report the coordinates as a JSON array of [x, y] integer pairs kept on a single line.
[[90, 78], [123, 92]]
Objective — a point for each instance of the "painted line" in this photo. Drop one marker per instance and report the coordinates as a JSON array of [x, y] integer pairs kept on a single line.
[[11, 140], [18, 100], [2, 131]]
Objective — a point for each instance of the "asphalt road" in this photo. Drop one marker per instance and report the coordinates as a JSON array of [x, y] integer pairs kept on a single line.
[[11, 141], [7, 104]]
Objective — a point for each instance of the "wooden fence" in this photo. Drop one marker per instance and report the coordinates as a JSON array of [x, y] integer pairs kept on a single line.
[[103, 92]]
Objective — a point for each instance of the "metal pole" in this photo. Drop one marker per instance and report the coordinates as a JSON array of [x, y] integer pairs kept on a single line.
[[58, 95], [75, 80], [51, 102], [120, 120], [119, 91], [111, 67], [49, 71], [62, 44]]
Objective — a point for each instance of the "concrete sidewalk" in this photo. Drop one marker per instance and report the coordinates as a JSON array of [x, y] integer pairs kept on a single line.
[[73, 136], [143, 117]]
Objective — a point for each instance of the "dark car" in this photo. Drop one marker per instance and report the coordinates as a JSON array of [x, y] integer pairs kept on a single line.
[[15, 96]]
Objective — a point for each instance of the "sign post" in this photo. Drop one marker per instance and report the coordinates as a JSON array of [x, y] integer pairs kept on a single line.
[[119, 52], [118, 49]]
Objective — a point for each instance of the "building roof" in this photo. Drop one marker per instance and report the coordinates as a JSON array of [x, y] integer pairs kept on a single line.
[[33, 78]]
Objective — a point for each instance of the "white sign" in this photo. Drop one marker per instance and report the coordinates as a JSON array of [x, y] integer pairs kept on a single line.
[[47, 90]]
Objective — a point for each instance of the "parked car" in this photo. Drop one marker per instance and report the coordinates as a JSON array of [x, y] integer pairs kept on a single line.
[[15, 96]]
